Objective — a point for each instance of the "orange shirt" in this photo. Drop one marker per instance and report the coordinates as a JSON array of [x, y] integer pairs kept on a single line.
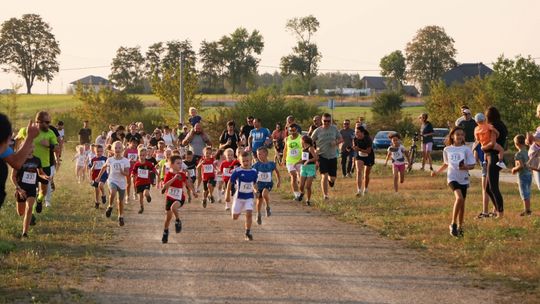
[[482, 133]]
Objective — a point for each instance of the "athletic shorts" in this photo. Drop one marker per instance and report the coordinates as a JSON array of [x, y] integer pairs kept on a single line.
[[308, 170], [368, 160], [427, 147], [47, 171], [141, 188], [399, 167], [31, 191], [292, 168], [266, 185], [121, 192], [240, 205], [457, 186], [328, 166], [211, 182], [169, 203]]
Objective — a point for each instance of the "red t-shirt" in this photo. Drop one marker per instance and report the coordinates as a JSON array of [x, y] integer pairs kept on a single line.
[[142, 172], [227, 167], [132, 155], [207, 168], [98, 162], [175, 192]]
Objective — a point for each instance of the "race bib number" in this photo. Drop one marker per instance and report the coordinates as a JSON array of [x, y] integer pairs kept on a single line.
[[294, 152], [175, 193], [397, 155], [264, 177], [142, 173], [29, 178], [160, 157], [208, 169], [305, 155], [191, 172], [132, 156], [117, 167], [362, 154], [219, 178], [455, 158], [245, 187], [227, 172], [98, 164]]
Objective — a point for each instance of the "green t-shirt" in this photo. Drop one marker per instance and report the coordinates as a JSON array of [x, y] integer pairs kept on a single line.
[[40, 151], [524, 158], [325, 139], [294, 150]]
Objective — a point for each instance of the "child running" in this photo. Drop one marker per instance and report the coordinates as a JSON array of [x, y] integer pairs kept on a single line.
[[118, 173], [175, 180], [226, 168], [150, 157], [365, 159], [308, 170], [132, 154], [523, 173], [264, 181], [219, 175], [486, 135], [191, 165], [245, 179], [141, 172], [80, 159], [95, 167], [163, 167], [206, 165], [459, 159], [397, 153], [26, 181]]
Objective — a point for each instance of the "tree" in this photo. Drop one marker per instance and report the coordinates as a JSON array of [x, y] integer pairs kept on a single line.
[[393, 66], [213, 65], [387, 103], [29, 49], [163, 70], [305, 58], [127, 70], [429, 55], [237, 52]]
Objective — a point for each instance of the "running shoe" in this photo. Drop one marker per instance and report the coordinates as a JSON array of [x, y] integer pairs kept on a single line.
[[148, 198], [525, 213], [259, 219], [141, 210], [453, 230], [165, 237], [300, 197], [501, 164], [211, 199], [268, 211], [249, 236], [39, 205], [24, 235], [120, 221], [108, 212], [103, 199], [227, 208], [204, 203], [47, 204], [178, 226], [331, 183], [460, 232], [359, 193], [308, 203], [326, 197], [33, 220], [97, 205], [482, 215]]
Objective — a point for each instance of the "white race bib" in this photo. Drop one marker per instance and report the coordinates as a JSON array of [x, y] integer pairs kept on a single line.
[[245, 187], [454, 159], [362, 154], [219, 178], [305, 155], [191, 172], [264, 177], [208, 169], [227, 172], [142, 173], [160, 157], [29, 178], [117, 167], [175, 193], [98, 164], [293, 152], [132, 156]]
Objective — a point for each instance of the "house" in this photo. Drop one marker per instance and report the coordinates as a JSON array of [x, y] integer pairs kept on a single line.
[[95, 82], [462, 72], [411, 90], [346, 92], [378, 84]]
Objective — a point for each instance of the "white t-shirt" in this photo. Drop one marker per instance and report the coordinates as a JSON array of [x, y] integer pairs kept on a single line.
[[452, 156], [168, 138], [116, 167], [397, 154]]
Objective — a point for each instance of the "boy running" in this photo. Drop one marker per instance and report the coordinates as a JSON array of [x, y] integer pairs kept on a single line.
[[142, 173], [191, 165], [132, 155], [264, 181], [227, 166], [95, 167], [206, 165]]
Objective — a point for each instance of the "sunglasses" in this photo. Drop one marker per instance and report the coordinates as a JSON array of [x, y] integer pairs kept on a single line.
[[44, 122], [326, 120], [292, 131]]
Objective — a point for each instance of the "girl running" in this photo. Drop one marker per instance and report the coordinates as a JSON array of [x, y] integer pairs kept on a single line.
[[141, 173], [207, 169], [226, 168], [219, 176], [265, 182], [397, 153], [365, 159], [80, 159], [308, 170], [132, 154]]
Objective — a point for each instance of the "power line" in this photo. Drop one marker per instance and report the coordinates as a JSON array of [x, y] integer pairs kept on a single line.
[[86, 68]]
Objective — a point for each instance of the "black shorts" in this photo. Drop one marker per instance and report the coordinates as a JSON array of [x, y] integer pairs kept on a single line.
[[328, 166], [31, 191], [368, 160], [47, 171], [141, 188], [211, 182], [455, 186], [169, 203]]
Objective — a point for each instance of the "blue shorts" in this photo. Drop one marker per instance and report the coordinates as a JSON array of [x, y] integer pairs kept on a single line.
[[524, 182], [261, 186]]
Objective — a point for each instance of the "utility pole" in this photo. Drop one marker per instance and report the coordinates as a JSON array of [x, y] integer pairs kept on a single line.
[[181, 88]]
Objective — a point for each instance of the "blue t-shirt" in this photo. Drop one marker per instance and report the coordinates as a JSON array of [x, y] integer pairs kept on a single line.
[[259, 137], [264, 171], [244, 180], [195, 120], [6, 153]]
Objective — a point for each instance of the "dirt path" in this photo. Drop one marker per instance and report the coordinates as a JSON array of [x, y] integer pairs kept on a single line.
[[299, 255]]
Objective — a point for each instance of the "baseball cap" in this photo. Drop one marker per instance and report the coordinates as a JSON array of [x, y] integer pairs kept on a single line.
[[479, 117], [466, 111]]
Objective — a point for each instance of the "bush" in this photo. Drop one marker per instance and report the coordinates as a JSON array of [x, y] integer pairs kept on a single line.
[[387, 103]]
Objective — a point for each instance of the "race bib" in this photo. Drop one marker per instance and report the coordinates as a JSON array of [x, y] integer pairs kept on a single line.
[[132, 156], [191, 172], [397, 155], [160, 157], [142, 173], [175, 193], [245, 187], [362, 154], [29, 178], [294, 152], [305, 155], [226, 171], [117, 167], [219, 178], [208, 169], [98, 164], [455, 158], [264, 177]]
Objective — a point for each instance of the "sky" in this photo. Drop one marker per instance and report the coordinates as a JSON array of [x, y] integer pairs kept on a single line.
[[353, 35]]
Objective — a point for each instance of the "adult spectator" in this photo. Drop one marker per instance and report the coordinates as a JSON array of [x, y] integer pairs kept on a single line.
[[132, 134], [426, 132], [168, 136], [278, 138], [85, 134], [178, 129], [246, 129], [258, 137], [140, 127], [7, 155], [468, 124], [197, 139], [193, 117], [533, 140], [458, 121], [360, 122], [316, 123], [229, 137], [493, 171], [347, 153], [327, 139], [156, 138], [112, 129], [117, 135], [183, 134]]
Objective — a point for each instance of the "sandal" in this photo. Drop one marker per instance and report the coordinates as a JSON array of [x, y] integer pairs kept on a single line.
[[483, 215]]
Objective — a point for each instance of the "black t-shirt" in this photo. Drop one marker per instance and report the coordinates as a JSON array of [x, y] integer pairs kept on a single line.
[[468, 126], [245, 130], [426, 128], [503, 133], [363, 144], [191, 164], [25, 175], [85, 134], [137, 136], [225, 136], [154, 141], [52, 158], [152, 160], [116, 137]]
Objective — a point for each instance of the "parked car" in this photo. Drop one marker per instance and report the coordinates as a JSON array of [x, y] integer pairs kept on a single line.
[[381, 140], [438, 137]]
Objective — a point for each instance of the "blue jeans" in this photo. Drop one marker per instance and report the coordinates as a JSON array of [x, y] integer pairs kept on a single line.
[[347, 156], [524, 182]]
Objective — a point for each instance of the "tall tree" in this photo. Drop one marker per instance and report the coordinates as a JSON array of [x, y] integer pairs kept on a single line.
[[429, 55], [127, 69], [393, 66], [213, 65], [305, 58], [29, 49], [163, 70], [238, 51]]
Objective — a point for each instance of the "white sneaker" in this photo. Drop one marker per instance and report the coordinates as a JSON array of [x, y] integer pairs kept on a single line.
[[501, 165], [47, 204], [326, 197], [365, 191], [359, 193]]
